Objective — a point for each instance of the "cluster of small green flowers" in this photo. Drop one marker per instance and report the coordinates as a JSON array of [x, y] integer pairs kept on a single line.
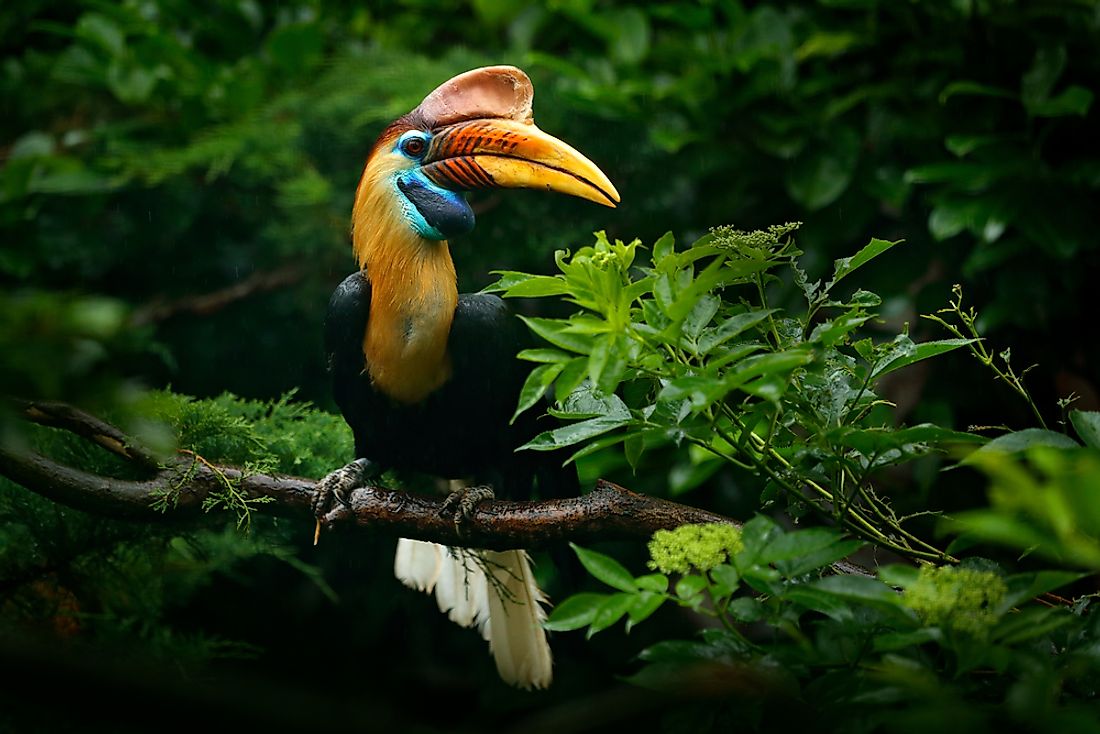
[[963, 599], [604, 259], [700, 546], [760, 239]]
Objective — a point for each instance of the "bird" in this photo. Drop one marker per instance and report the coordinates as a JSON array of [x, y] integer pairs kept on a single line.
[[428, 379]]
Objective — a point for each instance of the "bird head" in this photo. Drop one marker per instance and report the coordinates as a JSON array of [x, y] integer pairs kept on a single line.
[[475, 131]]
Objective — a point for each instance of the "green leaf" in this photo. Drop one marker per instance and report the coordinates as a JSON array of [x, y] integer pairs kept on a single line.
[[575, 612], [611, 611], [700, 315], [1074, 100], [608, 362], [730, 328], [664, 247], [1038, 81], [644, 605], [825, 43], [795, 543], [605, 568], [969, 88], [587, 402], [845, 266], [745, 609], [570, 379], [536, 385], [922, 351], [996, 527], [522, 285], [633, 447], [798, 552], [700, 391], [574, 433], [726, 579], [817, 600], [596, 446], [869, 441], [775, 363], [544, 355], [1017, 441], [554, 331], [690, 586], [833, 331], [1087, 425], [864, 590], [657, 582], [756, 534]]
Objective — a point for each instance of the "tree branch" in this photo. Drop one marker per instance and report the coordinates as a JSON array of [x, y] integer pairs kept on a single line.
[[180, 486], [86, 425], [207, 303]]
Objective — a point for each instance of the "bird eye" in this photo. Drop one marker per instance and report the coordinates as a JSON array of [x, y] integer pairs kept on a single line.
[[413, 147]]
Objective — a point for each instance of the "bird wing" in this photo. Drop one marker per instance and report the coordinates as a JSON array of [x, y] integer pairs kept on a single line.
[[485, 338], [346, 323]]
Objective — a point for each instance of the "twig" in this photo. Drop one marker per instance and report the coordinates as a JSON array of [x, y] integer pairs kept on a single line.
[[207, 303], [86, 425]]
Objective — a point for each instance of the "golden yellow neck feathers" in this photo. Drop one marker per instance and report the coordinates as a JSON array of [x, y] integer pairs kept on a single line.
[[414, 290]]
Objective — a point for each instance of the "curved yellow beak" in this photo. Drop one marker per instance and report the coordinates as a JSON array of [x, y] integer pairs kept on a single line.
[[499, 153]]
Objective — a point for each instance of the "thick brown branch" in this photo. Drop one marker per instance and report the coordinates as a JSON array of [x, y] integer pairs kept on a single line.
[[608, 512], [179, 488]]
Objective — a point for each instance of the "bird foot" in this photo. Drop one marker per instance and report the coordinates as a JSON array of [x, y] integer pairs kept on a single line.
[[337, 484], [460, 504]]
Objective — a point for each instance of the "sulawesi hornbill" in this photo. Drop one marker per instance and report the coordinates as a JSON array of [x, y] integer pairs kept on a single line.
[[427, 378]]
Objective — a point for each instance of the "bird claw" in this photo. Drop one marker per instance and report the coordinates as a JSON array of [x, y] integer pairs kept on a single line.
[[337, 484], [461, 503]]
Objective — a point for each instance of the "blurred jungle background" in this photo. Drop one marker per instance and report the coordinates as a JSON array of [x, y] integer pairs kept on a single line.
[[176, 179]]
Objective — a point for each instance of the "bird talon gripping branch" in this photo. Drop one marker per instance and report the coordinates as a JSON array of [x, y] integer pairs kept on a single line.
[[461, 503], [337, 484]]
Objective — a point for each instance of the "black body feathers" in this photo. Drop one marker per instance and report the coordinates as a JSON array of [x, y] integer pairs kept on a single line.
[[461, 430]]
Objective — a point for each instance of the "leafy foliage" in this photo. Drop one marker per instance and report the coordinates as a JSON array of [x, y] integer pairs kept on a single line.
[[700, 358], [1044, 499], [859, 652], [686, 350]]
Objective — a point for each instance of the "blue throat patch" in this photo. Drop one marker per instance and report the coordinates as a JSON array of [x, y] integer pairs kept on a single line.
[[434, 212]]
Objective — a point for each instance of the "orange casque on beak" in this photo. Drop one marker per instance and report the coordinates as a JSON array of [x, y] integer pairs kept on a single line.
[[499, 153]]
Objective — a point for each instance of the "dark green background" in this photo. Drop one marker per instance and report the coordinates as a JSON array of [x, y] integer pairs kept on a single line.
[[155, 152]]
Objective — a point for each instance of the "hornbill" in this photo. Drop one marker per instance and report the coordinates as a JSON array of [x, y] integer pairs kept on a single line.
[[427, 378]]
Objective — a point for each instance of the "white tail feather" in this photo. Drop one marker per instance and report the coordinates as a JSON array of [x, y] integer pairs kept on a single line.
[[418, 563], [507, 610], [461, 591], [514, 630]]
